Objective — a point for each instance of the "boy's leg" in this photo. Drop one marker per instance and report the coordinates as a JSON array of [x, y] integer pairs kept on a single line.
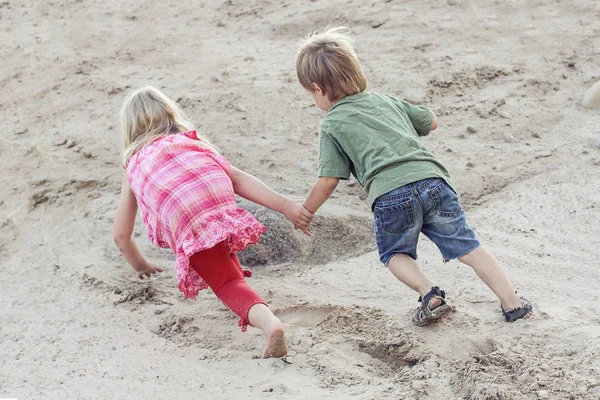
[[446, 225], [224, 276], [398, 221], [407, 271], [492, 274]]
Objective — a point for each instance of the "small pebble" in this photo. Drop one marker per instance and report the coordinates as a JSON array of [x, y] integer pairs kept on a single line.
[[60, 142], [470, 164], [452, 2], [306, 165], [504, 115], [470, 129], [592, 97], [418, 385], [71, 143], [221, 24], [508, 137], [214, 78]]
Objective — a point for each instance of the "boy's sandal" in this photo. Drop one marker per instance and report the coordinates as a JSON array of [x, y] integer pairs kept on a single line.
[[424, 315], [517, 313]]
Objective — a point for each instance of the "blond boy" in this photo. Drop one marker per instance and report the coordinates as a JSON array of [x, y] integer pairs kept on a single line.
[[377, 138]]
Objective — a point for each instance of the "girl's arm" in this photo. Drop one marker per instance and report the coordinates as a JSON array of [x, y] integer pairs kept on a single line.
[[251, 188], [123, 230]]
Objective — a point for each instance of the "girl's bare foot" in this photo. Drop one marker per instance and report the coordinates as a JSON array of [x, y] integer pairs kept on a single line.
[[262, 318], [276, 346]]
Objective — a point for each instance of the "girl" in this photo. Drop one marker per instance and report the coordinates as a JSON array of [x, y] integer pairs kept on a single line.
[[185, 191]]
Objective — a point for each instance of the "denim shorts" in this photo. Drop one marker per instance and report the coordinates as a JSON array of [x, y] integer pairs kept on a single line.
[[429, 206]]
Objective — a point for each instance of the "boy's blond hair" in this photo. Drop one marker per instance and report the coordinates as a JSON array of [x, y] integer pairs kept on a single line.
[[328, 59]]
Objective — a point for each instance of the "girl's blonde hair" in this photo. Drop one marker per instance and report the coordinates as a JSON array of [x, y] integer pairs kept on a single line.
[[148, 114], [328, 59]]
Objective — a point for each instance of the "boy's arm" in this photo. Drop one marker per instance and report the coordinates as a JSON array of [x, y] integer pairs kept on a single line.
[[321, 190], [422, 118], [434, 124], [251, 188], [123, 230]]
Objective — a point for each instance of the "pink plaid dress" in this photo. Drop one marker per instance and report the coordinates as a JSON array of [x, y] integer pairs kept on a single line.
[[186, 198]]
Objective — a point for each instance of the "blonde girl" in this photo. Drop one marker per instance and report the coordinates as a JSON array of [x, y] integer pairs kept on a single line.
[[185, 191]]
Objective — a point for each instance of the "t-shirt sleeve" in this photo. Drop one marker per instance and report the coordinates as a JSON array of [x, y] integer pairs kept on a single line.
[[333, 162], [421, 117]]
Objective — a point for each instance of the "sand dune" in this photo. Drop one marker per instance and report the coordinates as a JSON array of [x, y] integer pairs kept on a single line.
[[507, 81]]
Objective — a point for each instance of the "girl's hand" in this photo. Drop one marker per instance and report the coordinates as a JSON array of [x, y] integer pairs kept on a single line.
[[298, 215], [147, 270]]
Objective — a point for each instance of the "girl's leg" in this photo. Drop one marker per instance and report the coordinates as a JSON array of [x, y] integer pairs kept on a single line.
[[223, 274], [492, 274], [407, 271]]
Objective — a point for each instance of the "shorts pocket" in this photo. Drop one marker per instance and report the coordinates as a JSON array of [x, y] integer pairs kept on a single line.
[[395, 218], [446, 201]]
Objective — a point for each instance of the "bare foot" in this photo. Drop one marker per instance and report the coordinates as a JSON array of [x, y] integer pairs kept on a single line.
[[276, 346]]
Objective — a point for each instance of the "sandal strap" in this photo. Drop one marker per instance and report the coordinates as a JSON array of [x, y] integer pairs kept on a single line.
[[519, 312], [435, 291]]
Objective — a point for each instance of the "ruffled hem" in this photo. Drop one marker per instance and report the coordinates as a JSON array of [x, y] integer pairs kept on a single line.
[[241, 233]]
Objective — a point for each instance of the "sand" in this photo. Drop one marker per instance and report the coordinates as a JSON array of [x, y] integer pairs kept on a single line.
[[507, 81]]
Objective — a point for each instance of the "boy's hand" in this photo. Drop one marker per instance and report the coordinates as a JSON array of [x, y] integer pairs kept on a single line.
[[147, 270], [299, 216], [305, 218]]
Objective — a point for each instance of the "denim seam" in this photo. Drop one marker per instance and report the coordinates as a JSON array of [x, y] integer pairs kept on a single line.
[[428, 184], [394, 197], [464, 254]]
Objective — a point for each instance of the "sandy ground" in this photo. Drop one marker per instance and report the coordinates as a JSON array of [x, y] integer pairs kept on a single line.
[[506, 80]]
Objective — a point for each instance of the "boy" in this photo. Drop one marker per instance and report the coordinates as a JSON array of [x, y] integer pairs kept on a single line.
[[376, 137]]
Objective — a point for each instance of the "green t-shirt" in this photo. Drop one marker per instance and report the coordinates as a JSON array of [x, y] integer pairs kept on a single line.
[[376, 137]]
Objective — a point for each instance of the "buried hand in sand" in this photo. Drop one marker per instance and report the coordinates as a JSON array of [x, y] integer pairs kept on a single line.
[[377, 138], [185, 191]]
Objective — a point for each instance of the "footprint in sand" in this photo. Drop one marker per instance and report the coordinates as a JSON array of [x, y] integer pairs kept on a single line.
[[304, 316]]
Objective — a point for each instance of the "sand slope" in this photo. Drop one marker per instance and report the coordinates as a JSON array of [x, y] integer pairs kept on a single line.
[[506, 80]]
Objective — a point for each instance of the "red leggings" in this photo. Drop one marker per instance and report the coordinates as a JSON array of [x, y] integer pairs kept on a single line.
[[223, 273]]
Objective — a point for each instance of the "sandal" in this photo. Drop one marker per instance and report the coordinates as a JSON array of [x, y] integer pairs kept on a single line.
[[517, 313], [425, 315]]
